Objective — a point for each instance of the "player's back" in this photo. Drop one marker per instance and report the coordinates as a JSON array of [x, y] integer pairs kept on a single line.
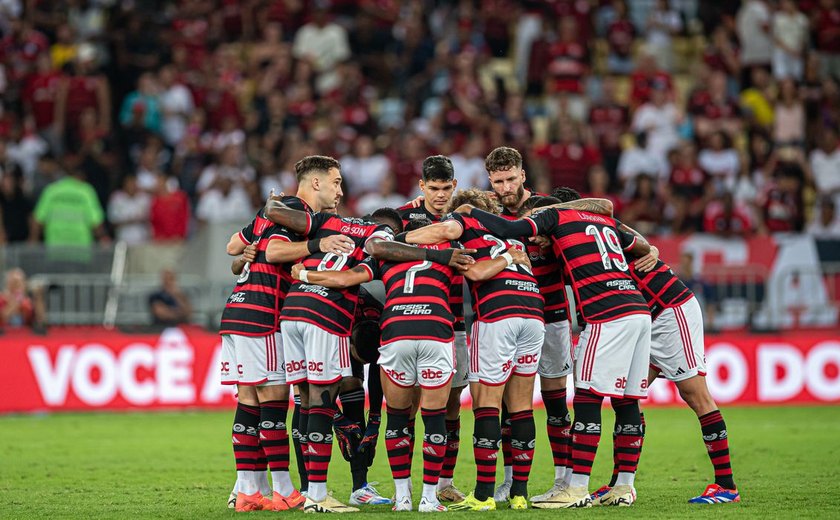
[[593, 248], [417, 299], [661, 288], [511, 293]]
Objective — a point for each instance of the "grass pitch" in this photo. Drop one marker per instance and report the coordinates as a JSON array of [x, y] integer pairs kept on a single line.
[[180, 465]]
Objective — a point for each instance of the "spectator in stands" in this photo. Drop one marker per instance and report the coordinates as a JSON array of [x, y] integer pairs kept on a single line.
[[15, 207], [365, 169], [169, 305], [384, 198], [658, 119], [84, 89], [643, 210], [647, 75], [225, 201], [176, 103], [21, 303], [468, 164], [825, 224], [128, 211], [567, 69], [620, 37], [789, 116], [230, 165], [637, 160], [714, 110], [687, 190], [723, 217], [754, 32], [598, 186], [567, 159], [324, 45], [782, 205], [825, 164], [722, 55], [826, 22], [663, 24], [69, 213], [790, 36], [609, 119], [757, 100], [169, 214], [703, 290]]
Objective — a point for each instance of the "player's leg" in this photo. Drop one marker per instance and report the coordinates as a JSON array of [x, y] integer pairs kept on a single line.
[[435, 367], [298, 426], [555, 365], [502, 492], [447, 492], [352, 397], [398, 371]]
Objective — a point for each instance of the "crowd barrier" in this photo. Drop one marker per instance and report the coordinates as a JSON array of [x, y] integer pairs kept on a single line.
[[76, 369]]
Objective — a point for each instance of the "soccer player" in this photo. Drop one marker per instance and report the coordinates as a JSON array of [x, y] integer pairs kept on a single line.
[[677, 353], [252, 354], [316, 323], [438, 184], [506, 340], [612, 354], [507, 178]]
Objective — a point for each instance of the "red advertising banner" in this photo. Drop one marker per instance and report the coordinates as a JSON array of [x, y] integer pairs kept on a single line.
[[94, 369]]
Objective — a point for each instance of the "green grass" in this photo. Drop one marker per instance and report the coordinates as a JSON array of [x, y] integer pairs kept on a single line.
[[179, 465]]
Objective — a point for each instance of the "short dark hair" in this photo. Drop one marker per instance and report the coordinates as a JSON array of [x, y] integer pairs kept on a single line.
[[438, 168], [390, 216], [417, 223], [315, 163], [565, 194], [502, 158], [536, 201], [478, 198]]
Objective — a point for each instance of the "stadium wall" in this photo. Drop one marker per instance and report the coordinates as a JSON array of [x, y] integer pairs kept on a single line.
[[97, 369]]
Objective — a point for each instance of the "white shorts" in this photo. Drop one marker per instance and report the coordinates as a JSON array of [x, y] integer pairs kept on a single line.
[[556, 356], [313, 354], [503, 348], [612, 358], [462, 361], [252, 360], [430, 364], [676, 342]]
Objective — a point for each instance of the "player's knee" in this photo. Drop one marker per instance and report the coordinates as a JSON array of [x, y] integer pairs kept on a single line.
[[323, 395], [350, 383], [697, 397]]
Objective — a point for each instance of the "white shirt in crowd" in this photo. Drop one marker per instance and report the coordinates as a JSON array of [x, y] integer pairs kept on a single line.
[[239, 175], [130, 215], [470, 172], [215, 206], [753, 23], [658, 37], [818, 230], [177, 105], [826, 170], [364, 174], [791, 30], [722, 166], [373, 201], [660, 123]]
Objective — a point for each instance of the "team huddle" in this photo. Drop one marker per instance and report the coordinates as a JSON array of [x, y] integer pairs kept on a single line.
[[299, 318]]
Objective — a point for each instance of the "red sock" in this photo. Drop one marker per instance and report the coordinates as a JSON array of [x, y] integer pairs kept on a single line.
[[245, 437], [320, 438], [558, 425], [453, 445], [274, 437], [587, 431], [486, 449], [717, 444], [434, 444], [523, 439], [398, 443]]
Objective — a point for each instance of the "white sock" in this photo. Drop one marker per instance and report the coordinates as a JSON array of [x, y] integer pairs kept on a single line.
[[568, 476], [559, 473], [282, 482], [317, 491], [429, 492], [625, 478], [247, 482], [262, 481], [508, 473], [579, 480], [443, 483], [403, 488]]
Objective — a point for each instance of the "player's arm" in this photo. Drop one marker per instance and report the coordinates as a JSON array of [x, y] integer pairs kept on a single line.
[[249, 254], [391, 251], [435, 233], [236, 245], [282, 251], [599, 206], [282, 215], [333, 279], [486, 269], [501, 227], [632, 241], [647, 262]]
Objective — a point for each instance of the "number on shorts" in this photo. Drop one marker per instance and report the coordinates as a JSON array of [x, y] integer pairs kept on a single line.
[[499, 247], [606, 238], [412, 271]]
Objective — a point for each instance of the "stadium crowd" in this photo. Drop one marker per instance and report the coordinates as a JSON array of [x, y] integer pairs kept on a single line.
[[689, 116]]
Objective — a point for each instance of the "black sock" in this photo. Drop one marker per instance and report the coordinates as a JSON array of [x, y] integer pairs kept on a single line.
[[353, 406], [246, 441], [586, 432], [296, 441], [523, 434], [486, 440]]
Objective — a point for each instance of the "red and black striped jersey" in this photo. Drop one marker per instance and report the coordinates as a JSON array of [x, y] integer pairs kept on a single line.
[[511, 293], [416, 299], [367, 307], [254, 304], [549, 274], [456, 294], [661, 288], [331, 309], [592, 247]]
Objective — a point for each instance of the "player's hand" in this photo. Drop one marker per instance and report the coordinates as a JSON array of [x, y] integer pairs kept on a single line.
[[367, 448], [417, 202], [296, 269], [541, 240], [249, 254], [337, 244], [461, 259], [273, 201], [646, 263], [348, 434], [465, 209], [520, 257]]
